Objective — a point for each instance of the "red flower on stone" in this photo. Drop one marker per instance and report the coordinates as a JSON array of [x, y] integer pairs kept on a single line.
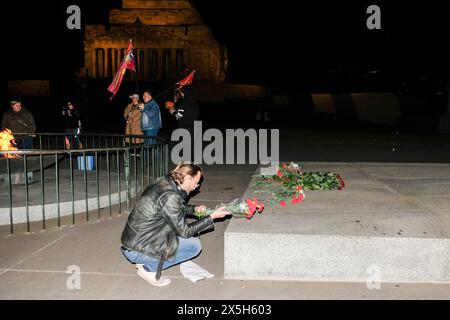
[[279, 174], [296, 200], [342, 183], [283, 203], [261, 207], [251, 205]]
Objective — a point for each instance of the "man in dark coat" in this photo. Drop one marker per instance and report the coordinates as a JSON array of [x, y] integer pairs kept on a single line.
[[188, 109], [187, 112], [157, 235], [21, 123]]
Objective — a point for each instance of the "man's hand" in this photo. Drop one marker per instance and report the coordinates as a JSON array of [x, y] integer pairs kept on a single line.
[[200, 208], [220, 213]]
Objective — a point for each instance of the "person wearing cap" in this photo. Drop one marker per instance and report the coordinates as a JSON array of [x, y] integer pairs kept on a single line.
[[21, 123], [132, 116]]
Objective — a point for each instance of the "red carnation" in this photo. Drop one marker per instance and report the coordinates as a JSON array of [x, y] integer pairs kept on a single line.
[[279, 173], [251, 206], [261, 207], [283, 203]]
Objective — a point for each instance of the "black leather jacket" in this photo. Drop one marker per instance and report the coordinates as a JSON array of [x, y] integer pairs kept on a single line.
[[158, 218]]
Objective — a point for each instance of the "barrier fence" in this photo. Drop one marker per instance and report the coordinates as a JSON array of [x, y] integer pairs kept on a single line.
[[51, 181]]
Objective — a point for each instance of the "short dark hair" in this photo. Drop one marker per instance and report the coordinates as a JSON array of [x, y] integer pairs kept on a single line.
[[148, 91], [14, 101]]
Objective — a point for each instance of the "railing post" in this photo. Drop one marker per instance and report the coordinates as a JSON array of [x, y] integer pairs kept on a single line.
[[41, 166], [126, 163], [166, 162], [10, 196]]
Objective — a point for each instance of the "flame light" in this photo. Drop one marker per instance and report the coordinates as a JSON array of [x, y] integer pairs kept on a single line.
[[7, 143]]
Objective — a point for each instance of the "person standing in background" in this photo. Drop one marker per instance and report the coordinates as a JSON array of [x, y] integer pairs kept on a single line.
[[72, 126], [150, 118], [21, 123], [132, 116]]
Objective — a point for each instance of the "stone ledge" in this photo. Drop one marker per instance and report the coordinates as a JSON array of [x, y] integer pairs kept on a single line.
[[344, 235]]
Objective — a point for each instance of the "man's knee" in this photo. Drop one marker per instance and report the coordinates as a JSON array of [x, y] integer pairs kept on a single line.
[[195, 246]]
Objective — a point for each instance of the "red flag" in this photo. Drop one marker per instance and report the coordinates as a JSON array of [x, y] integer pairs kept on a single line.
[[127, 63], [186, 81]]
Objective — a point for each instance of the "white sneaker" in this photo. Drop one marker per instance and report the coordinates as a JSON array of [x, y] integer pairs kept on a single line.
[[150, 277], [137, 265]]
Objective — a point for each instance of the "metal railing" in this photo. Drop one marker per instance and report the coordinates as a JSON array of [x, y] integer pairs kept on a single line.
[[51, 182]]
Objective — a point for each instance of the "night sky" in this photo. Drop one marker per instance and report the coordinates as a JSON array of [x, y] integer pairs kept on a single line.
[[277, 43]]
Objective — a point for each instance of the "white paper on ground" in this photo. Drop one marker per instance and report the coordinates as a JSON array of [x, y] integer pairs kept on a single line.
[[194, 272]]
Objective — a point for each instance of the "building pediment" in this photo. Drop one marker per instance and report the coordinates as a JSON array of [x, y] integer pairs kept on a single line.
[[137, 31], [160, 17]]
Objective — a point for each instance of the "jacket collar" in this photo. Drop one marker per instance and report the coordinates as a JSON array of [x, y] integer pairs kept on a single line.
[[176, 187]]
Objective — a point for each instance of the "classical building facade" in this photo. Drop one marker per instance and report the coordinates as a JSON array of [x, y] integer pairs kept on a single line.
[[168, 36]]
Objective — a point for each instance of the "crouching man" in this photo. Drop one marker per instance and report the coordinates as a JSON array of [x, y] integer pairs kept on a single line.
[[157, 235]]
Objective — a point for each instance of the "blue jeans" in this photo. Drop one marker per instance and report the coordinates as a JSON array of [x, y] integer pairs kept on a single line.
[[150, 132], [188, 248], [24, 143]]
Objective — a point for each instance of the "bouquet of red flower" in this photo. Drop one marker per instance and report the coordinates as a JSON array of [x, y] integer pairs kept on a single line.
[[170, 106], [289, 181], [238, 208]]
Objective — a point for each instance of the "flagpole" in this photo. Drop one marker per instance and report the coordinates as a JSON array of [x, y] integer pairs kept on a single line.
[[177, 85], [136, 75], [164, 92]]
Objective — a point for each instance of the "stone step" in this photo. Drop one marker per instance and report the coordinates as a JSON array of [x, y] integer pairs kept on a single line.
[[377, 229]]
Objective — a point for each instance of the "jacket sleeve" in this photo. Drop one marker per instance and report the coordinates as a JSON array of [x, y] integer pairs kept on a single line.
[[153, 110], [5, 121], [172, 212], [30, 120], [125, 113], [189, 210]]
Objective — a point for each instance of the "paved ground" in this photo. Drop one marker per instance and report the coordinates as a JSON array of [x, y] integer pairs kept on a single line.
[[35, 266]]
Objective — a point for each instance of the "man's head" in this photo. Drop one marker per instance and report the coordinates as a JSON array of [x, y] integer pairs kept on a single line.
[[134, 98], [188, 176], [147, 96], [16, 105]]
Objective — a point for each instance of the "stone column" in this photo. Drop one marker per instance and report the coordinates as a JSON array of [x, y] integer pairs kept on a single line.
[[155, 65], [107, 59], [179, 62], [100, 63]]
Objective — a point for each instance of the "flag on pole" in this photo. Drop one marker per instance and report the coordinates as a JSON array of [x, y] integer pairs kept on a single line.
[[127, 63], [186, 81]]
